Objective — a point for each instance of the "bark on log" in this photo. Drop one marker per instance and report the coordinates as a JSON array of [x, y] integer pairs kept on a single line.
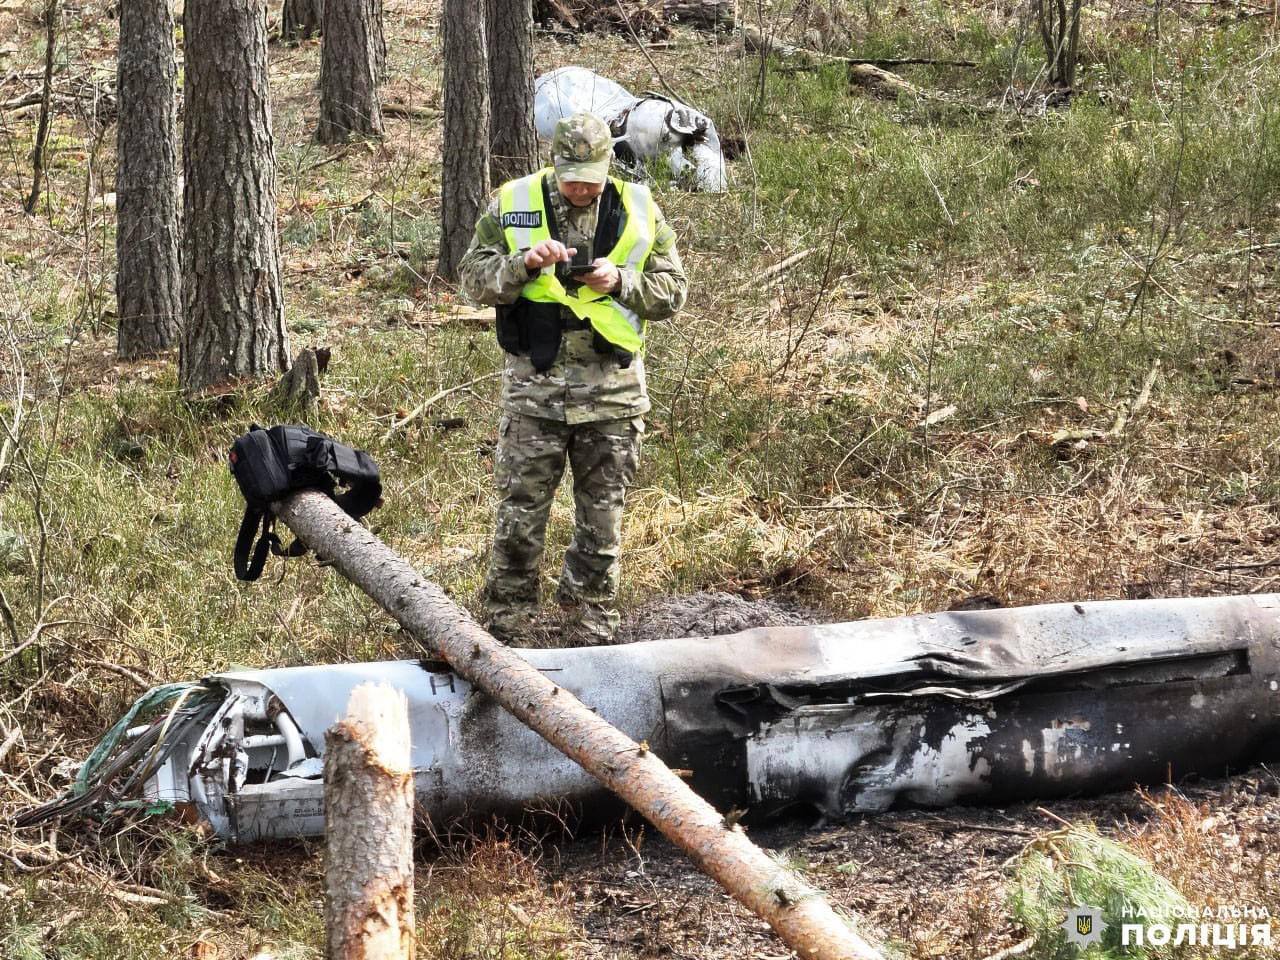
[[705, 14], [368, 815], [148, 264], [649, 18], [797, 912]]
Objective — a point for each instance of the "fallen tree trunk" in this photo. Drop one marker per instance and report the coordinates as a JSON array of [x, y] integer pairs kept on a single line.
[[368, 812], [798, 913], [705, 14], [649, 18], [863, 73]]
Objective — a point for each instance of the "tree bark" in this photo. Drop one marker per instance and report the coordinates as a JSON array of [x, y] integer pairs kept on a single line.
[[233, 312], [706, 14], [379, 42], [797, 912], [299, 389], [301, 20], [368, 815], [465, 178], [513, 140], [349, 101], [148, 262]]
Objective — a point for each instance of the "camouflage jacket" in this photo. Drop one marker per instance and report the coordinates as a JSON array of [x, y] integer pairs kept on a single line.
[[582, 385]]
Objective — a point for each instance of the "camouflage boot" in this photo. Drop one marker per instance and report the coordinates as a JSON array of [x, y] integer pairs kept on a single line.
[[512, 625], [589, 624]]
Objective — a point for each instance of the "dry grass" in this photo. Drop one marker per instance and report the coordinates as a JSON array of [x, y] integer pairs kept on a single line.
[[786, 453]]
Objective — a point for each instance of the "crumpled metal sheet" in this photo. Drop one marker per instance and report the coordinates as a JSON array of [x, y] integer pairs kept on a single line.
[[689, 143], [991, 705]]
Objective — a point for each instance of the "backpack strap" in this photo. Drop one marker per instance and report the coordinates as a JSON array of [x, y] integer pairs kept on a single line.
[[248, 559], [270, 464]]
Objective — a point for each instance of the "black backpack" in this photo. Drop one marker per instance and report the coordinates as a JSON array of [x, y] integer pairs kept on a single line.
[[271, 464]]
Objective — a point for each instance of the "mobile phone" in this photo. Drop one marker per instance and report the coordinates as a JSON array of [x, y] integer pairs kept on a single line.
[[576, 269]]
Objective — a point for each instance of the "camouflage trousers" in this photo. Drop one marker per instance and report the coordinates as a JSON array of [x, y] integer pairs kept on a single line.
[[528, 467]]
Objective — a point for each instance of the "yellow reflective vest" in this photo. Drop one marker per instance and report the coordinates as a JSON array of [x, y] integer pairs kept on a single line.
[[525, 223]]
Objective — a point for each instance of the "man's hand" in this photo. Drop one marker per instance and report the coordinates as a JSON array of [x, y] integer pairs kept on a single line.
[[546, 253], [604, 278]]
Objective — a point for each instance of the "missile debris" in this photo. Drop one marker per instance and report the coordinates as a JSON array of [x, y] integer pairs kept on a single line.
[[832, 720], [645, 128]]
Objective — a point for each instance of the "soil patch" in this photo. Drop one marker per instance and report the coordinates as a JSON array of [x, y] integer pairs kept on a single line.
[[708, 614]]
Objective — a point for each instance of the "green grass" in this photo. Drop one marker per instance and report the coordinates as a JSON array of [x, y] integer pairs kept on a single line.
[[1027, 266]]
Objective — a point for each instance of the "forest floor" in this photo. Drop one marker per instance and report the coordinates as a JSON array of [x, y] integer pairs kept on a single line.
[[1034, 355]]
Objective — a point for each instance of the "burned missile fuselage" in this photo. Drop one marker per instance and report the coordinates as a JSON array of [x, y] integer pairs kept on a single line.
[[928, 710], [647, 129]]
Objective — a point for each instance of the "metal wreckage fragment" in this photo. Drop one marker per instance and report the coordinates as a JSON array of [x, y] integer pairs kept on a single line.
[[646, 129], [929, 710]]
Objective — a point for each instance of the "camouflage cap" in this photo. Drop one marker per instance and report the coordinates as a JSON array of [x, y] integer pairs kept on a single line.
[[581, 148]]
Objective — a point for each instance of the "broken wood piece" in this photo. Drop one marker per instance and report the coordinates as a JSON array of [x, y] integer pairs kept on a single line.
[[396, 109], [434, 398], [11, 738], [704, 14], [368, 811], [300, 386], [798, 913], [864, 73], [1124, 415], [773, 271]]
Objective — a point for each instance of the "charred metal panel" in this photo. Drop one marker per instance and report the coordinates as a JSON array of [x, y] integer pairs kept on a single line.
[[858, 717]]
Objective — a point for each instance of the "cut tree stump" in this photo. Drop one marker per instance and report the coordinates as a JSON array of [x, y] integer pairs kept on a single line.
[[368, 815], [300, 386], [798, 913]]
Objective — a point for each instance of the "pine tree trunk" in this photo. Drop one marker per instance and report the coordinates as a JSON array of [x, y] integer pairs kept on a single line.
[[148, 264], [233, 312], [465, 180], [799, 913], [368, 815], [379, 42], [349, 102], [513, 140], [301, 20]]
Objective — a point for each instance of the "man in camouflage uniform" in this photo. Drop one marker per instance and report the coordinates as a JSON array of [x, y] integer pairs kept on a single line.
[[583, 400]]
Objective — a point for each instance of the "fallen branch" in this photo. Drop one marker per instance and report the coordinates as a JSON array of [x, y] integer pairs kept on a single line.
[[798, 913], [134, 678], [647, 55], [773, 271], [9, 741], [396, 109], [434, 398], [26, 100], [864, 73], [1126, 413]]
